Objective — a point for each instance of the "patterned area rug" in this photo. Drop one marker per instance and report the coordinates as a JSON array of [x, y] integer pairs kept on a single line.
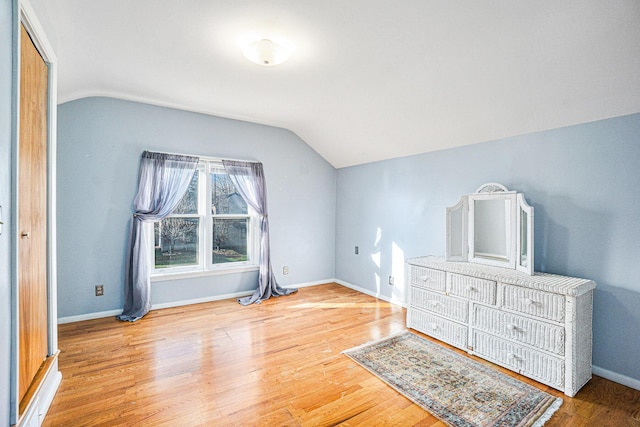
[[454, 388]]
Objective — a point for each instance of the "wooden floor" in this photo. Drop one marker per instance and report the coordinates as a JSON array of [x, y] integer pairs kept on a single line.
[[273, 364]]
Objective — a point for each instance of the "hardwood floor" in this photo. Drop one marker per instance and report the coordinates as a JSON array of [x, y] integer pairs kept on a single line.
[[273, 364]]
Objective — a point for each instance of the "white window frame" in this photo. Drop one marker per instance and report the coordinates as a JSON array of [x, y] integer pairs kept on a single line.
[[205, 266]]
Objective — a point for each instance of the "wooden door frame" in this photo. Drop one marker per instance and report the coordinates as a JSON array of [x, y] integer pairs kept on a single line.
[[27, 17]]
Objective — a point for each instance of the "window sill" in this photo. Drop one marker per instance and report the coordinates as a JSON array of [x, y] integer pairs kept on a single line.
[[202, 273]]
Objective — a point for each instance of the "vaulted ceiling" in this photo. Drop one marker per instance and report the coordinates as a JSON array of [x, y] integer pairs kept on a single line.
[[368, 79]]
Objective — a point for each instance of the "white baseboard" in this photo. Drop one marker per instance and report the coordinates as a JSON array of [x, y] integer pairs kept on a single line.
[[371, 293], [615, 377], [113, 313], [307, 284], [43, 398], [200, 300], [226, 296]]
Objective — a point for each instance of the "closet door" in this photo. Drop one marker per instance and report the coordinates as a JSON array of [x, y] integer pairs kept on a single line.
[[32, 218]]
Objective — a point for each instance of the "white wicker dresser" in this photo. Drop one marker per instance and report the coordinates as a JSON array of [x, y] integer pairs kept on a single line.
[[538, 326]]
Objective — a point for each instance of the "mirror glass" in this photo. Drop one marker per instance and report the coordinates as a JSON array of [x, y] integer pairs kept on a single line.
[[524, 242], [456, 225], [491, 228]]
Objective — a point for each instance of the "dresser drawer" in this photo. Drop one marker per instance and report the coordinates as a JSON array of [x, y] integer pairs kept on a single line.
[[427, 278], [541, 335], [450, 307], [537, 303], [533, 364], [472, 288], [438, 327]]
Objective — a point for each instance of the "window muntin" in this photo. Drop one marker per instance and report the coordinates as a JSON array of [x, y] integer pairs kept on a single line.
[[211, 228]]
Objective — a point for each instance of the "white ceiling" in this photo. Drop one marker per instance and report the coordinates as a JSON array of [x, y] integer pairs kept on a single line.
[[369, 79]]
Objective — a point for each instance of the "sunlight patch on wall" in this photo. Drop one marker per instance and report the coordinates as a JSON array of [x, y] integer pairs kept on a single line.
[[376, 258], [397, 271]]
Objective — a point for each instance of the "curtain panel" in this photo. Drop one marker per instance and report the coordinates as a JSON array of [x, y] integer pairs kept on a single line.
[[163, 180], [248, 177]]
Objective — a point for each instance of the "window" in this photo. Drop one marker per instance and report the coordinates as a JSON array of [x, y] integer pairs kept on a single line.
[[230, 220], [212, 227]]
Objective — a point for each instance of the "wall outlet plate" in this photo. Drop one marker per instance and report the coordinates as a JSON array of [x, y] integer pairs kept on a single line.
[[99, 290]]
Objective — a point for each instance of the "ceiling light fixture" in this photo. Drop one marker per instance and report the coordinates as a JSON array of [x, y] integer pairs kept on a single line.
[[266, 52]]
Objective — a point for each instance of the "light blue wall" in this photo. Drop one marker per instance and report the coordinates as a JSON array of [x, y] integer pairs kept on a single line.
[[99, 145], [583, 181], [7, 20]]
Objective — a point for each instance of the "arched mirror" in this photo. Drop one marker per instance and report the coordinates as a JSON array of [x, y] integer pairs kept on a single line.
[[492, 226]]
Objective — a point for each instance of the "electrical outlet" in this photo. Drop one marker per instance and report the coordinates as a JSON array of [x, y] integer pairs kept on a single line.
[[390, 280], [285, 270], [99, 290], [356, 250]]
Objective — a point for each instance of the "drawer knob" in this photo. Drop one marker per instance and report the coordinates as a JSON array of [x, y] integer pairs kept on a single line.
[[433, 326], [514, 328], [529, 301], [425, 278], [513, 356], [472, 289], [434, 303]]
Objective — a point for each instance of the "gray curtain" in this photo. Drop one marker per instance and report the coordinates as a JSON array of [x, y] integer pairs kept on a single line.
[[248, 178], [163, 180]]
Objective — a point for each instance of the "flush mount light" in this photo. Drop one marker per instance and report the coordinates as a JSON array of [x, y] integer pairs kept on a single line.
[[266, 52]]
